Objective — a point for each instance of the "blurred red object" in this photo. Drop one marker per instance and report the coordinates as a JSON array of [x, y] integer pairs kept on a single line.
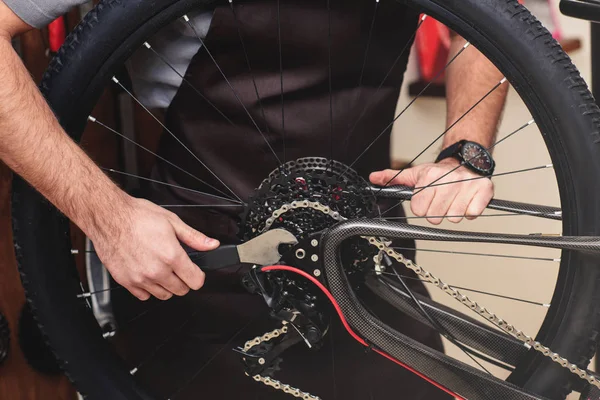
[[432, 45], [57, 33]]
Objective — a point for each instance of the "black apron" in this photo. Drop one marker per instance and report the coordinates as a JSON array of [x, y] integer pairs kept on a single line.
[[240, 156]]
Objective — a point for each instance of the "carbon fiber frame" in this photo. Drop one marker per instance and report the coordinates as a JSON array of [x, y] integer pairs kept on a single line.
[[462, 379]]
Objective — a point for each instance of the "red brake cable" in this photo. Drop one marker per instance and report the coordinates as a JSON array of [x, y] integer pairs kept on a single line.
[[349, 329]]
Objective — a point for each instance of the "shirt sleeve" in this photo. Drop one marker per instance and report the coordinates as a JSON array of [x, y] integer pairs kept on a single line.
[[39, 13]]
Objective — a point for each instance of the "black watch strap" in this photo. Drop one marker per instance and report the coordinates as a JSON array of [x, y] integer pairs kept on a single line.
[[451, 151]]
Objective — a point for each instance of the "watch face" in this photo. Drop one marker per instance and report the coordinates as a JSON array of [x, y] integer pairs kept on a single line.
[[477, 156]]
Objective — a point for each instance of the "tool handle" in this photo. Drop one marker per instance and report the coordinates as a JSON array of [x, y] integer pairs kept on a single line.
[[223, 256]]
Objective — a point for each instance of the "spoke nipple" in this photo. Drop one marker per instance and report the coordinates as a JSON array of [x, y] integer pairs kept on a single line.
[[109, 334], [423, 17], [503, 80], [74, 251], [186, 18], [531, 122], [115, 80], [147, 45], [133, 371], [546, 305], [549, 165], [90, 118], [466, 45]]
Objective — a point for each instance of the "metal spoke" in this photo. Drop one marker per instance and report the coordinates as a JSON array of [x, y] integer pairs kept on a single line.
[[165, 341], [86, 295], [519, 129], [258, 99], [333, 374], [373, 96], [537, 303], [477, 254], [281, 78], [235, 93], [438, 327], [364, 63], [197, 205], [115, 80], [329, 75], [173, 333], [169, 184], [94, 120], [164, 60], [210, 360], [408, 106], [141, 314], [518, 171], [463, 216]]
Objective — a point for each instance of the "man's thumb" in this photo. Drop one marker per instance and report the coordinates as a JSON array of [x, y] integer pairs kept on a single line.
[[389, 177]]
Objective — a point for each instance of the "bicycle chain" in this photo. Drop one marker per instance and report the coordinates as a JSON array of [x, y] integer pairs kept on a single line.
[[301, 204], [457, 295], [274, 383], [266, 337], [485, 313]]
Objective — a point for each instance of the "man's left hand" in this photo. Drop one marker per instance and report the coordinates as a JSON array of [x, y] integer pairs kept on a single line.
[[454, 200]]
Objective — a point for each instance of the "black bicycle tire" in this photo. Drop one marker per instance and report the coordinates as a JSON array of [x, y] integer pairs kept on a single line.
[[504, 30]]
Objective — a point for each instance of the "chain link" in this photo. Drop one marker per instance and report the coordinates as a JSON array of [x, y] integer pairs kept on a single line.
[[266, 337], [274, 383], [457, 295], [301, 204]]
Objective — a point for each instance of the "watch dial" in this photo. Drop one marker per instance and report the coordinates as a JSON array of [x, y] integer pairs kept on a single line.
[[477, 156]]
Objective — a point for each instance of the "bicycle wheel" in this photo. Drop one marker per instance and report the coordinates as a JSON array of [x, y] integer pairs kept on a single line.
[[504, 31]]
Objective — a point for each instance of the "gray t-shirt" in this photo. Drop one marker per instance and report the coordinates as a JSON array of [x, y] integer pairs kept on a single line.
[[155, 83], [39, 13]]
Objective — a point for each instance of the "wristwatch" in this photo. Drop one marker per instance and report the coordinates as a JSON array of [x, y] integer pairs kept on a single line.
[[472, 155]]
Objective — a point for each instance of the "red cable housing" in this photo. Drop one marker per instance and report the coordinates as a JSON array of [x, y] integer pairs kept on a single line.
[[351, 331]]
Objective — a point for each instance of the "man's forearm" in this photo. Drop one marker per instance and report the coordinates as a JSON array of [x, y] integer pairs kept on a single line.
[[468, 79], [33, 144]]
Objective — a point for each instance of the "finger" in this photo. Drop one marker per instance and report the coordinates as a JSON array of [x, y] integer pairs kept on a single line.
[[192, 237], [175, 285], [190, 274], [159, 292], [408, 177], [441, 204], [420, 202], [459, 206], [141, 294], [478, 204]]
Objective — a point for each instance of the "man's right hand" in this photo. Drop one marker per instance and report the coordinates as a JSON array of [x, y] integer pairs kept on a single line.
[[137, 241], [145, 255]]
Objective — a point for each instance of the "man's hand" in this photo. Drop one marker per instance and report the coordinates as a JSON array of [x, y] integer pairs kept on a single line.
[[467, 198], [138, 241], [145, 255]]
